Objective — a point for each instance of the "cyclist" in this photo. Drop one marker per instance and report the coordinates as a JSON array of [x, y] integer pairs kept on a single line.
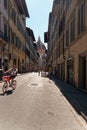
[[12, 72], [9, 78]]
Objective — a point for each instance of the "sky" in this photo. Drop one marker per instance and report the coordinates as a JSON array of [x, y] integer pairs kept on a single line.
[[39, 15]]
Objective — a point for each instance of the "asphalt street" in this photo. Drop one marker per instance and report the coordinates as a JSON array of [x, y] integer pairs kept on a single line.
[[37, 104]]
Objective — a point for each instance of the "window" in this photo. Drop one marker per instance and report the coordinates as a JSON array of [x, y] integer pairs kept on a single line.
[[58, 50], [12, 38], [9, 36], [13, 15], [72, 31], [67, 4], [61, 48], [5, 4], [81, 18], [67, 37], [0, 21], [5, 31], [10, 9], [20, 27], [0, 63]]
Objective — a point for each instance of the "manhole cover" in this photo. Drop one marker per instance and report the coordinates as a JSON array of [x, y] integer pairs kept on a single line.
[[34, 84], [50, 113]]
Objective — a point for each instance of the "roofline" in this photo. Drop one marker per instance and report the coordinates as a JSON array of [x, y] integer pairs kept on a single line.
[[21, 4], [30, 32]]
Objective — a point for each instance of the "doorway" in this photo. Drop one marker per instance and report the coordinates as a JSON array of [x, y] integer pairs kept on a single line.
[[70, 71], [82, 72]]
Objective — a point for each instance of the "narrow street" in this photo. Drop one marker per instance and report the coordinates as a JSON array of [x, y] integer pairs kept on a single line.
[[37, 104]]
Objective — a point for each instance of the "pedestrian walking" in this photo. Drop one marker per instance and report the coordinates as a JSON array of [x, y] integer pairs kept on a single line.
[[38, 72]]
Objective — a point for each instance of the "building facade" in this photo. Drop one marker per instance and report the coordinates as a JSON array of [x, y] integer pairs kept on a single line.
[[17, 31], [13, 15], [4, 46], [67, 46], [32, 51], [16, 42]]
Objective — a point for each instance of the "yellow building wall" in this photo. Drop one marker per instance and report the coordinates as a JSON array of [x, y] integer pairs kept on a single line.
[[13, 49], [76, 50]]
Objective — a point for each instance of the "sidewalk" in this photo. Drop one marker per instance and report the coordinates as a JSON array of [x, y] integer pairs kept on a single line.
[[76, 98]]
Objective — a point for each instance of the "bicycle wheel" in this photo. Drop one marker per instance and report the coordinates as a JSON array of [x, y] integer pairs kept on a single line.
[[14, 84], [5, 86]]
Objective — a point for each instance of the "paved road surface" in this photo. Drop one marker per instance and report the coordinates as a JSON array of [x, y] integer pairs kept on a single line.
[[37, 104]]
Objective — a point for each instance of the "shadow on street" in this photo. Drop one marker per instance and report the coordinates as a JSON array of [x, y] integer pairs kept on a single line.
[[77, 98], [9, 92]]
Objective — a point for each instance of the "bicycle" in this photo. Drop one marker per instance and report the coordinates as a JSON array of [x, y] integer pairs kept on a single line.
[[8, 82]]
